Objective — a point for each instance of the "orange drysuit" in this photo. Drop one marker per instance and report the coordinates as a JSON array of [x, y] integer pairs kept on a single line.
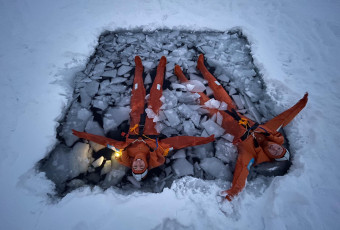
[[253, 148], [145, 145]]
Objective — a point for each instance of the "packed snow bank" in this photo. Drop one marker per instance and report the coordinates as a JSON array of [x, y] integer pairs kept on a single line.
[[294, 44]]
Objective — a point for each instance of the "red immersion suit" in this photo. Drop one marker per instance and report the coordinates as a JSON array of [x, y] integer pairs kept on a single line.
[[253, 149], [149, 149]]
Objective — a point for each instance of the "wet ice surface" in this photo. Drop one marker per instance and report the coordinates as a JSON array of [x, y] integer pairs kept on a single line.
[[101, 102]]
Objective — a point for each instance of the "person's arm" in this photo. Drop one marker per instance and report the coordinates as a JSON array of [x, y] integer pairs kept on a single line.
[[245, 160], [100, 139], [180, 142]]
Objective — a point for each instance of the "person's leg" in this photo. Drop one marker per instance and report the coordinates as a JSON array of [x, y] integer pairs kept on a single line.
[[228, 123], [137, 97], [218, 90], [179, 73], [287, 116], [155, 103]]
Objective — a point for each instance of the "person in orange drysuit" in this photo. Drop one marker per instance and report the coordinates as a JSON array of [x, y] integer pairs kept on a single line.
[[255, 143], [142, 150]]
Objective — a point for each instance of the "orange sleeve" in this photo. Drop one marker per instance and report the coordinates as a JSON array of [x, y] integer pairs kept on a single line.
[[287, 116], [244, 161], [180, 142], [99, 139]]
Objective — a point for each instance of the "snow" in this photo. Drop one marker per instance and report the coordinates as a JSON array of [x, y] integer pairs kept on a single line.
[[295, 45]]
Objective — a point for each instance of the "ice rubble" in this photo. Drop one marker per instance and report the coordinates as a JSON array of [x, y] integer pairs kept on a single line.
[[101, 101]]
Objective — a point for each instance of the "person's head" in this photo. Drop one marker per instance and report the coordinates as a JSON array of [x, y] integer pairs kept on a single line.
[[275, 150], [139, 167]]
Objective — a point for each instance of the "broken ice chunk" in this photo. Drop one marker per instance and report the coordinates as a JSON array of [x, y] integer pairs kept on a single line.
[[213, 104], [187, 97], [219, 118], [189, 128], [94, 128], [92, 88], [98, 162], [172, 117], [100, 104], [169, 131], [208, 91], [195, 86], [224, 78], [66, 163], [212, 128], [232, 90], [228, 137], [115, 175], [185, 111], [182, 167], [226, 151], [106, 168], [178, 86], [238, 101], [148, 79], [114, 117], [110, 73], [134, 182], [168, 99], [98, 69], [216, 168], [251, 108], [118, 80], [76, 118], [85, 99], [179, 154], [223, 106], [195, 118], [124, 69], [197, 78]]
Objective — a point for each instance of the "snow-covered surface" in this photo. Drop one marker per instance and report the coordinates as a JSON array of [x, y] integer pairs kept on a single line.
[[294, 44]]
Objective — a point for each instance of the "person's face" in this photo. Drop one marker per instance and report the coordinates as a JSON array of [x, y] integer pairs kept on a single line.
[[138, 165], [275, 149]]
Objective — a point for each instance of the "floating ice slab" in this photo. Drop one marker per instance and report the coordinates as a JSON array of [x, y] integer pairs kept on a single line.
[[216, 168], [179, 154], [226, 151], [182, 167], [110, 73], [124, 69], [238, 101], [172, 117], [115, 175], [94, 128], [92, 88], [114, 117], [212, 128], [189, 128], [195, 86], [213, 104]]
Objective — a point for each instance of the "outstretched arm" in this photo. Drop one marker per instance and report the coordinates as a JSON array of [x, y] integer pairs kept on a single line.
[[180, 142], [244, 161], [100, 139], [287, 116]]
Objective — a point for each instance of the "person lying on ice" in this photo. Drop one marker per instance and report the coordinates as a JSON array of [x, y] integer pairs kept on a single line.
[[142, 150], [255, 143]]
